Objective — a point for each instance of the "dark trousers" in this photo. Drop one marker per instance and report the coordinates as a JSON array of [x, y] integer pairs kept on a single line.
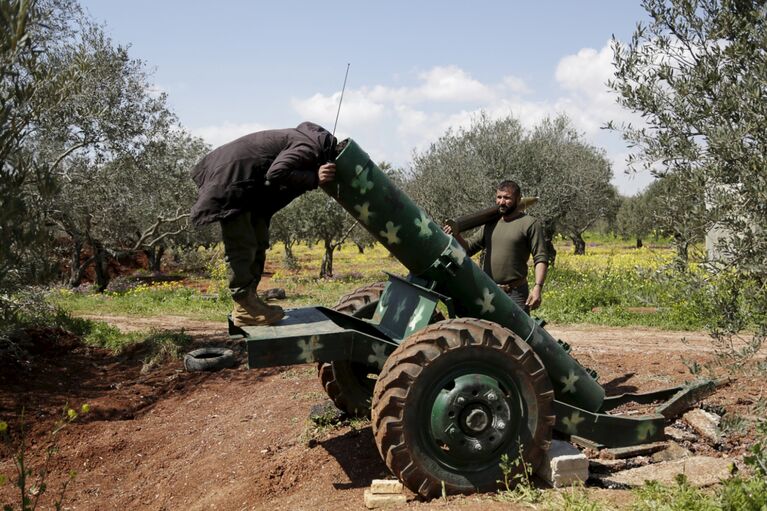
[[519, 296], [246, 239]]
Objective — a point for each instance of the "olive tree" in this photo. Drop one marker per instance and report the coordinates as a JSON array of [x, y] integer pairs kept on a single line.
[[697, 74], [122, 166], [572, 179], [288, 226], [459, 173], [30, 85], [634, 219], [594, 197], [153, 195]]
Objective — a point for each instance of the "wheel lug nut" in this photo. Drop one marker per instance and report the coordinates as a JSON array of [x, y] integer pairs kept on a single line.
[[452, 430], [500, 425], [477, 447], [492, 396], [460, 400]]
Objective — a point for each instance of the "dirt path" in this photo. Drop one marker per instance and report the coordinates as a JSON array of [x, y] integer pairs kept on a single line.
[[240, 439]]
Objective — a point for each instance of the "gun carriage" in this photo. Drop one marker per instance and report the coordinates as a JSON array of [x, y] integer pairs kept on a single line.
[[452, 372]]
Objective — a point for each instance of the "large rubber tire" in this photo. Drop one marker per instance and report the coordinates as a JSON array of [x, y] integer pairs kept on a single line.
[[348, 383], [436, 381]]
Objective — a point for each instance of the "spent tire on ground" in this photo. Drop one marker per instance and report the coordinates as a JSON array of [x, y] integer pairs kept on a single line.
[[452, 399], [348, 384], [209, 359]]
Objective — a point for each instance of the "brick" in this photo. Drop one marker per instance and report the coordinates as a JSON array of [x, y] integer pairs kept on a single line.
[[384, 486], [705, 424], [563, 465], [376, 501]]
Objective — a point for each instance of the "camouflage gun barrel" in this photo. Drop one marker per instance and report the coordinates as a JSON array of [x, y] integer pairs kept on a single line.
[[421, 246]]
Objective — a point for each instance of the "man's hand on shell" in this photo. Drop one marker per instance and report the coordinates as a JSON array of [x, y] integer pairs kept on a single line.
[[327, 173]]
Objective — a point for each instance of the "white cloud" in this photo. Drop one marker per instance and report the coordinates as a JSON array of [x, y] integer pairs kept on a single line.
[[452, 84], [357, 109], [587, 71], [221, 134], [393, 121], [515, 85]]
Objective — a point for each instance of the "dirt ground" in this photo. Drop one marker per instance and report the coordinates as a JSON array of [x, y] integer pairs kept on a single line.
[[241, 439]]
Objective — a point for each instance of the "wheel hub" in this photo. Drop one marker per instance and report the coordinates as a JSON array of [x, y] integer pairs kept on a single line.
[[476, 421], [470, 417]]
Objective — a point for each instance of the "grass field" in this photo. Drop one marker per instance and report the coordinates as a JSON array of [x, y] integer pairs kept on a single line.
[[605, 286]]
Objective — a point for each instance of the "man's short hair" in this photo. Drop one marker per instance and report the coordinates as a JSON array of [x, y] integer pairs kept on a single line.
[[510, 186]]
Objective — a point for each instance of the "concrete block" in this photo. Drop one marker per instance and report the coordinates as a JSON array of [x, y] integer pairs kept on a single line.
[[563, 465], [376, 501], [384, 486], [705, 424]]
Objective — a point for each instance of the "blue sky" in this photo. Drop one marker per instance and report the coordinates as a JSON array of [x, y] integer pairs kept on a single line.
[[417, 68]]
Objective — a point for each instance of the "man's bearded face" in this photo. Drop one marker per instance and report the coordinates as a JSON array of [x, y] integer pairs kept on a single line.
[[506, 201]]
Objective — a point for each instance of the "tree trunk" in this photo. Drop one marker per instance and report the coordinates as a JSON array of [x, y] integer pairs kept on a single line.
[[100, 265], [639, 242], [579, 244], [154, 257], [360, 247], [682, 247], [76, 270], [326, 270], [548, 238], [290, 259]]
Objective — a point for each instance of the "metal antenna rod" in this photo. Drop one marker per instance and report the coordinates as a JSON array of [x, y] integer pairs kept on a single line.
[[342, 98]]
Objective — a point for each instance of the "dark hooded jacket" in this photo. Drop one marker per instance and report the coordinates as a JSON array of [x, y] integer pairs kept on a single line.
[[261, 172]]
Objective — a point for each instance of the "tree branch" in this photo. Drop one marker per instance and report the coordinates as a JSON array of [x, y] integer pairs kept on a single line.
[[152, 231]]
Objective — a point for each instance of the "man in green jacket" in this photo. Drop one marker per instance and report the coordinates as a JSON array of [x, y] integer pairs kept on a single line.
[[242, 184], [508, 243]]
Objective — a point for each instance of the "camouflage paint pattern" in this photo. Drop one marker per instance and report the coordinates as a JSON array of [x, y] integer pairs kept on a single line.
[[419, 244]]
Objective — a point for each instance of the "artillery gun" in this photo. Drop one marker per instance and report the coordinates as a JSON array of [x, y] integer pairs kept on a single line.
[[447, 396]]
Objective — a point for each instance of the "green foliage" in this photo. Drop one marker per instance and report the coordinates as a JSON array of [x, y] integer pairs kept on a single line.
[[29, 86], [606, 296], [33, 309], [315, 218], [733, 425], [217, 270], [605, 287], [517, 481], [25, 309], [327, 420], [146, 300], [746, 492], [633, 220], [574, 498], [32, 482], [682, 496], [164, 346], [695, 73], [749, 492]]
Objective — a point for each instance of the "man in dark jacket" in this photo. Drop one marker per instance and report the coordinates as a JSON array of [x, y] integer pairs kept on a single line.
[[242, 184]]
